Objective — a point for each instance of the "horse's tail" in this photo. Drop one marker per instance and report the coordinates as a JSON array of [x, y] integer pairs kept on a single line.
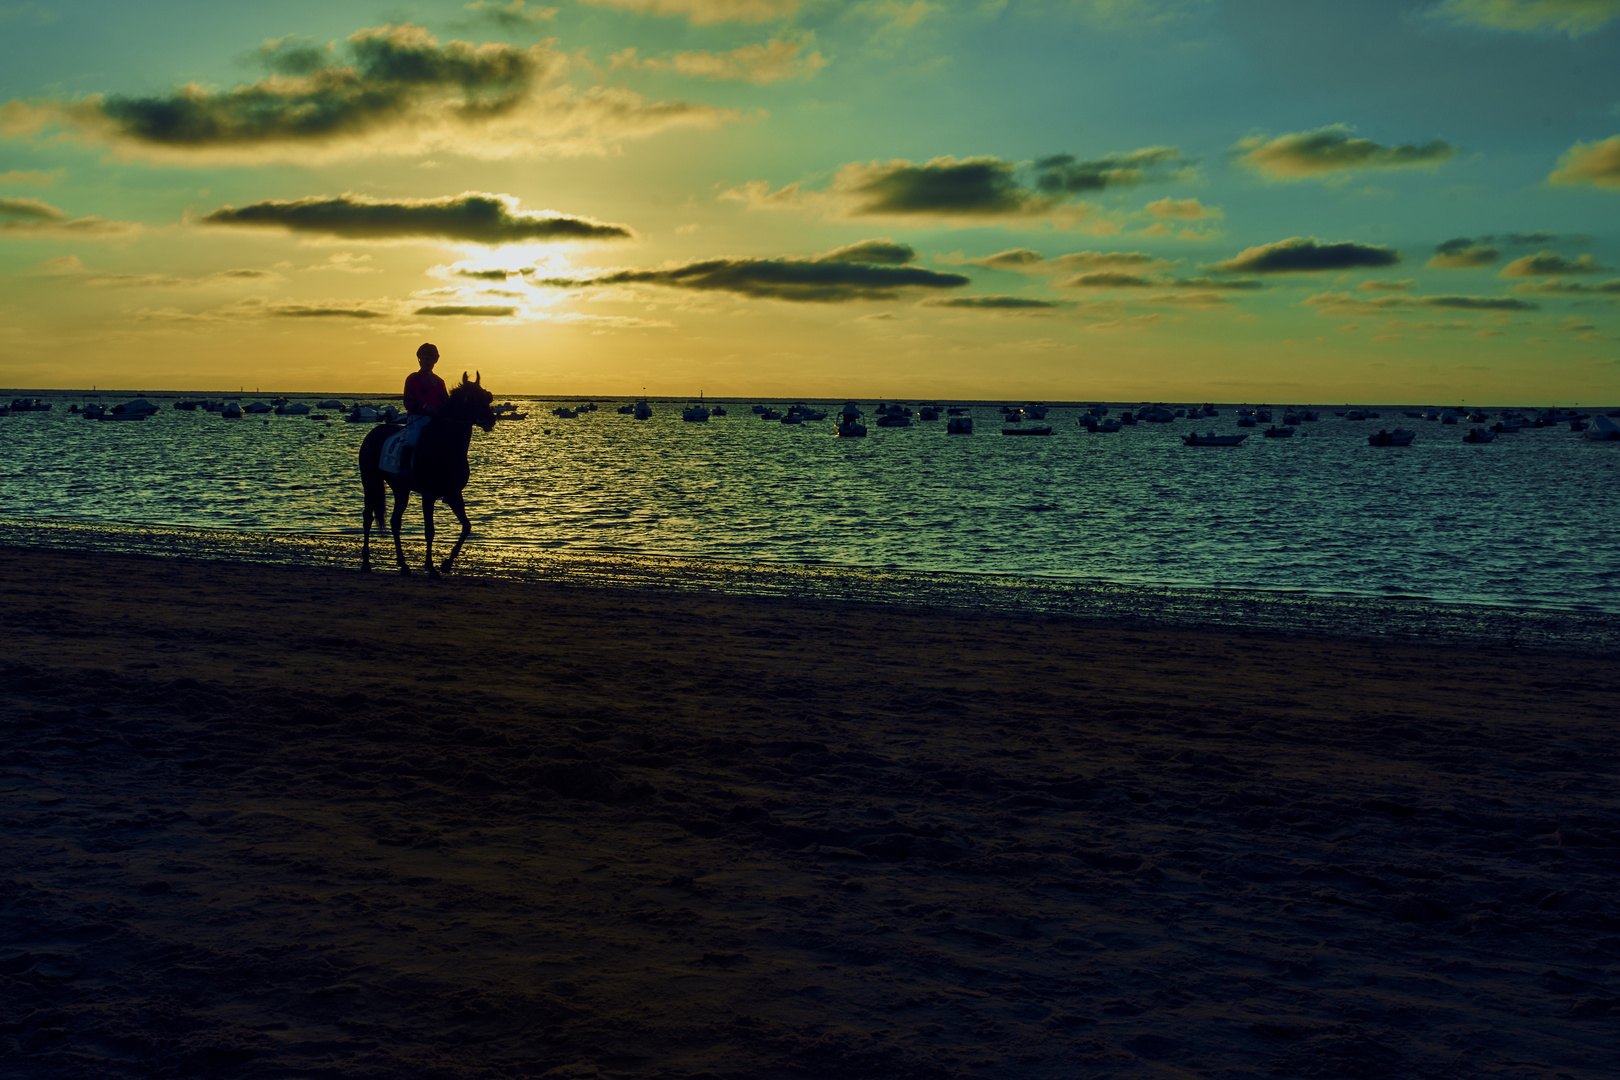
[[372, 481]]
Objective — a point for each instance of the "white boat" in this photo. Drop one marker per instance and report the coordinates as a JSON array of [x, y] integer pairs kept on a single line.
[[1602, 429], [695, 414], [959, 425], [643, 410], [1275, 432], [1479, 435], [257, 407], [1212, 439], [293, 408]]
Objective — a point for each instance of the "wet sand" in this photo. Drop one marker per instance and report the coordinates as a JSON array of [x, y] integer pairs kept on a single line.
[[292, 822]]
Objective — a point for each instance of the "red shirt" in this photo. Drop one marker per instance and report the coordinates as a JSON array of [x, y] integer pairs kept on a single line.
[[424, 393]]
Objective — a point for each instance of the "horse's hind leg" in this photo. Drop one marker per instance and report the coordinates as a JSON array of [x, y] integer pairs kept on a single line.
[[427, 533], [458, 508], [374, 504], [402, 495]]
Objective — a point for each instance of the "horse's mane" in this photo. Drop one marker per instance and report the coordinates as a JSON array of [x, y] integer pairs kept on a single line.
[[470, 392]]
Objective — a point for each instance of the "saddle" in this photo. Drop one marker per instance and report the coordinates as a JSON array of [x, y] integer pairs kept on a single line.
[[391, 460]]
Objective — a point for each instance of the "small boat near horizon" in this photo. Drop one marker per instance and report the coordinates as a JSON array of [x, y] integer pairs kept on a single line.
[[1212, 439], [1398, 437]]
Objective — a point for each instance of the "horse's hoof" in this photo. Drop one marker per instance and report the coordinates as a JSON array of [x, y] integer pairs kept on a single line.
[[433, 574], [405, 571], [366, 569], [445, 566]]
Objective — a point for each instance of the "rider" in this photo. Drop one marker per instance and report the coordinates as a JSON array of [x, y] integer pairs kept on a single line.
[[425, 395]]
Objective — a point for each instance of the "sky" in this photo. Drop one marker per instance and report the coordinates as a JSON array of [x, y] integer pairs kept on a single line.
[[1226, 200]]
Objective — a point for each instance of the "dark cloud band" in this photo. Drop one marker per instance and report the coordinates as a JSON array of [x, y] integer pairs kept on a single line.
[[1334, 149], [1303, 254], [1464, 254], [474, 217], [994, 303], [497, 311], [800, 280]]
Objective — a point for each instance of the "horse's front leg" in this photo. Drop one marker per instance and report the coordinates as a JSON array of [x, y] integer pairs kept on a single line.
[[458, 508], [402, 495], [427, 530], [365, 542]]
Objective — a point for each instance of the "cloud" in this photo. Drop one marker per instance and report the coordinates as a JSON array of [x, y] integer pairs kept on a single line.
[[1014, 259], [496, 311], [1524, 238], [1573, 17], [316, 311], [30, 177], [1103, 260], [491, 275], [1301, 254], [708, 12], [775, 61], [398, 91], [1477, 303], [1385, 286], [1064, 173], [1135, 322], [1221, 284], [1462, 254], [883, 251], [1183, 210], [815, 280], [1332, 303], [971, 187], [1332, 149], [345, 262], [1555, 287], [1596, 163], [473, 217], [1108, 279], [1025, 261], [993, 303], [973, 190], [513, 16], [1546, 263], [32, 218], [70, 267]]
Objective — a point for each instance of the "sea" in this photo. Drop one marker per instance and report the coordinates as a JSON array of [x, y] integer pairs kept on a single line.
[[1521, 529]]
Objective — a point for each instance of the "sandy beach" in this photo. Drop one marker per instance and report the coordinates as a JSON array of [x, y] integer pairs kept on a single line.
[[295, 822]]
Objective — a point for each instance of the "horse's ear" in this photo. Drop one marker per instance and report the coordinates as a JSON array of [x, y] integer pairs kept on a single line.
[[478, 378]]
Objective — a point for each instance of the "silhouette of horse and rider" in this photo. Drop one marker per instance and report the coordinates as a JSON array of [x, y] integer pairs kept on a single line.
[[430, 458]]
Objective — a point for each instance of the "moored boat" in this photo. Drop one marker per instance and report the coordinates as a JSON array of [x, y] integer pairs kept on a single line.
[[1211, 439], [1398, 437]]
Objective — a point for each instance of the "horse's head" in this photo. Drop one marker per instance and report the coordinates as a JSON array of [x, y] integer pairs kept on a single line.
[[470, 402]]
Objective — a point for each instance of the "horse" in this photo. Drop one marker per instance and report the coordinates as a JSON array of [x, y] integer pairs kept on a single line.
[[439, 471]]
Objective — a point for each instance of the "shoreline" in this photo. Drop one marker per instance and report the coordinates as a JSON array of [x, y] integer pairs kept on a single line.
[[289, 821], [1567, 629]]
